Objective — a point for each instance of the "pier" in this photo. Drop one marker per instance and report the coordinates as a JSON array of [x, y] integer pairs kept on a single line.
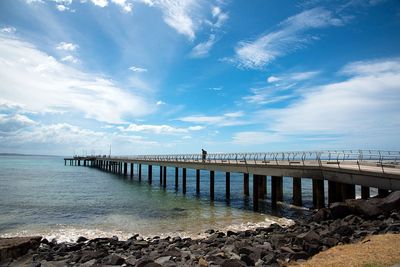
[[342, 169]]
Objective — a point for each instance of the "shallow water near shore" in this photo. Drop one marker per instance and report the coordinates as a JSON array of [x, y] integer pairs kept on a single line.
[[41, 196]]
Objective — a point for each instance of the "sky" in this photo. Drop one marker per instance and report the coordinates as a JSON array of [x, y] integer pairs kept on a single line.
[[176, 76]]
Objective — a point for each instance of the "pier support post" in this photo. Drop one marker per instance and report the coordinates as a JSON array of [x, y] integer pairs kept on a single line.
[[197, 181], [262, 180], [383, 193], [184, 180], [333, 192], [125, 169], [161, 176], [150, 174], [276, 190], [212, 180], [348, 191], [228, 185], [297, 199], [65, 162], [318, 193], [256, 182], [165, 177], [246, 184], [365, 192], [140, 172], [132, 166], [79, 162], [176, 177]]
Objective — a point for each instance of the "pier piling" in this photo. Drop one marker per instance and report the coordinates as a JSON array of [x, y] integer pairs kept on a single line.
[[246, 184], [297, 198], [365, 192], [150, 174], [176, 178], [197, 181], [228, 185], [184, 180], [212, 183], [165, 177], [256, 192]]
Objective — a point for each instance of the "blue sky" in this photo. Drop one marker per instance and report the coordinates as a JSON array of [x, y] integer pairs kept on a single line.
[[175, 76]]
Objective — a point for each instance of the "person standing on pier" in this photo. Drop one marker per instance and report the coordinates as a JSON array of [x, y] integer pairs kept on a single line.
[[203, 155]]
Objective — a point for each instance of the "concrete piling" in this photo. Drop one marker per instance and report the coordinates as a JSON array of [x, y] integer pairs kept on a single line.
[[212, 183], [176, 178], [246, 184], [150, 174], [297, 197], [228, 185], [256, 192], [365, 192], [165, 177], [197, 181], [184, 180]]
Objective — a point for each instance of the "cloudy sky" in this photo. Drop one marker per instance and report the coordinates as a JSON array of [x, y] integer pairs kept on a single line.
[[175, 76]]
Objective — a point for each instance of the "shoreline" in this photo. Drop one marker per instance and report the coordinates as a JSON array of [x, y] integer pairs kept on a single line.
[[342, 223]]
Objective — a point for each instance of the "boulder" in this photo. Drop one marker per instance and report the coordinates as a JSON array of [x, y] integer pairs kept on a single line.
[[11, 248], [233, 263]]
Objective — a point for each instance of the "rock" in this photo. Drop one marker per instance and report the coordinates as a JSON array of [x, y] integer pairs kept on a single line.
[[269, 258], [203, 262], [173, 252], [309, 236], [113, 259], [11, 248], [143, 262], [230, 233], [152, 264], [343, 230], [233, 263], [210, 231], [339, 210], [329, 241], [247, 259], [245, 250], [81, 239], [162, 260], [89, 255], [321, 215]]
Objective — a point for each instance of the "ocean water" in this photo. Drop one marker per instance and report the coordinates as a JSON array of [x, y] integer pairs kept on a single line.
[[39, 195]]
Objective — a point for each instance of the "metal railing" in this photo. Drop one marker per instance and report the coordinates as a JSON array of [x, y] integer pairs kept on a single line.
[[360, 158]]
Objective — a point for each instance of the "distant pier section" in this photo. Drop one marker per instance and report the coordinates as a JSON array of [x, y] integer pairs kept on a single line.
[[342, 169]]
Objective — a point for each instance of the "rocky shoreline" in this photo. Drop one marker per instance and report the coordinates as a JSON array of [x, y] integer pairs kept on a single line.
[[342, 223]]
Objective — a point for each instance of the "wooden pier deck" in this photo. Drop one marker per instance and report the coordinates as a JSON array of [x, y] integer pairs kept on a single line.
[[342, 169]]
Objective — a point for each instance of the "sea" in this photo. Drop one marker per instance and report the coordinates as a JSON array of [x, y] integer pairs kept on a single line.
[[39, 195]]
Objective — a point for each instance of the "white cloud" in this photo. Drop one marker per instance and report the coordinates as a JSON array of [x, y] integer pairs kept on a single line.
[[178, 14], [100, 3], [203, 49], [293, 77], [62, 8], [290, 36], [124, 4], [137, 69], [49, 86], [273, 79], [159, 129], [8, 30], [70, 58], [254, 138], [14, 122], [220, 16], [219, 88], [67, 46], [363, 107], [159, 103], [34, 1], [227, 119]]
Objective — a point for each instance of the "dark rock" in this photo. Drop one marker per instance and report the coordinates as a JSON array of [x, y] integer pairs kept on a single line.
[[343, 230], [269, 258], [233, 263], [152, 264], [245, 250], [210, 231], [339, 210], [44, 241], [329, 241], [231, 233], [173, 252], [309, 236], [81, 239], [89, 255], [299, 256], [113, 259], [247, 259], [321, 215], [143, 262], [11, 248]]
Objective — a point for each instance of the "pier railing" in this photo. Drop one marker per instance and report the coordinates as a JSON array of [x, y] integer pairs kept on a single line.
[[358, 158]]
